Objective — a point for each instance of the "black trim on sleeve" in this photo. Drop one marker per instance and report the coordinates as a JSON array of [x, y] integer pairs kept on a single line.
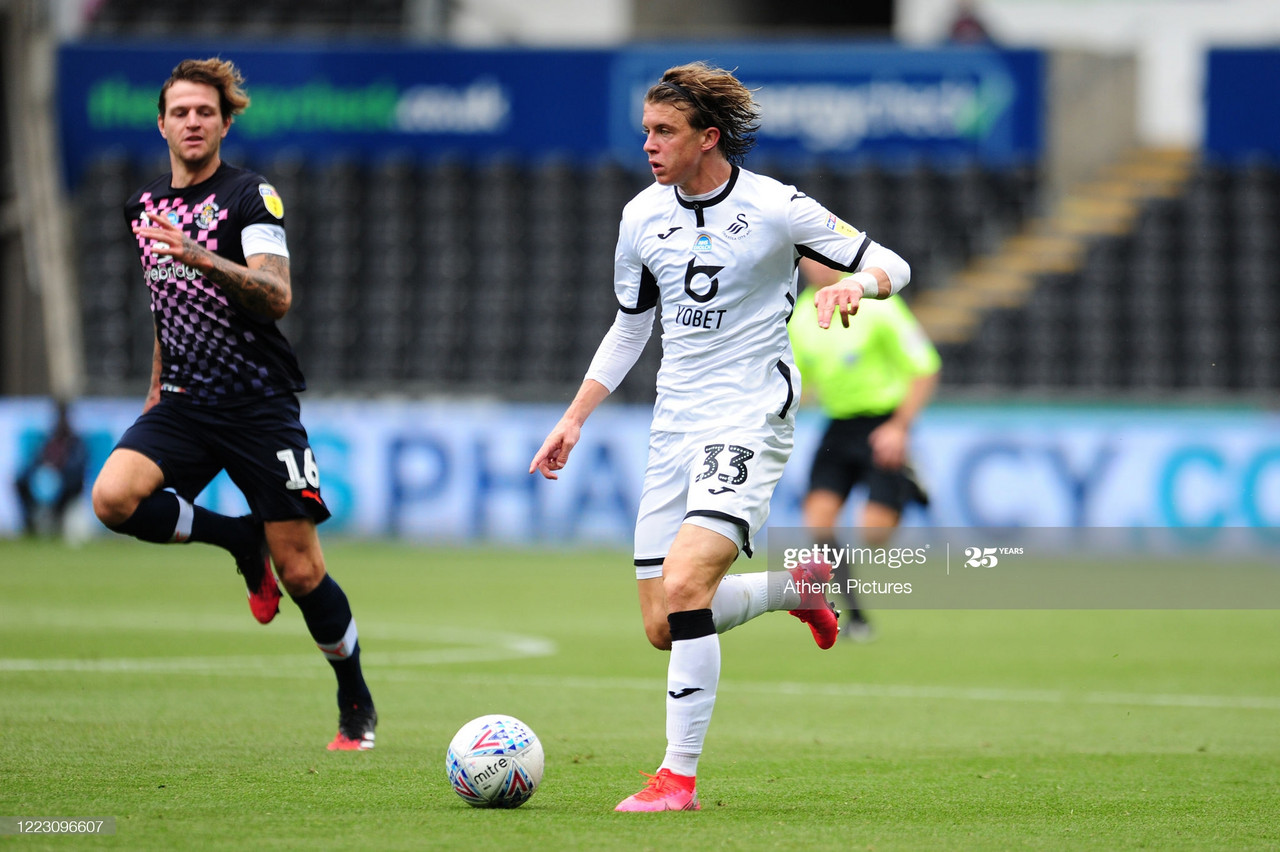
[[857, 258], [826, 261], [647, 298]]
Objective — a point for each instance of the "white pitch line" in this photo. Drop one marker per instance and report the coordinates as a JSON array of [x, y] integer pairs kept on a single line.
[[406, 666], [495, 648], [891, 691], [72, 621], [177, 620], [232, 665]]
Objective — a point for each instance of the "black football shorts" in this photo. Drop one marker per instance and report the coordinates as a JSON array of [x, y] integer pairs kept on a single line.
[[843, 461], [260, 443]]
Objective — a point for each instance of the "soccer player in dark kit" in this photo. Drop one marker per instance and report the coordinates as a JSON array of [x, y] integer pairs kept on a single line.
[[224, 381]]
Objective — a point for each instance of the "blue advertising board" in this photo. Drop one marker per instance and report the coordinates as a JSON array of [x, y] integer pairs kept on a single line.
[[833, 100], [458, 471], [1242, 90], [351, 101], [852, 99]]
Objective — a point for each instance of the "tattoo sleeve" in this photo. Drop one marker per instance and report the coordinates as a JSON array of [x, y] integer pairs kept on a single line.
[[264, 289]]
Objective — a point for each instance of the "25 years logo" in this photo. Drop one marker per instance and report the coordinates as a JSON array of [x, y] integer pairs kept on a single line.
[[988, 557]]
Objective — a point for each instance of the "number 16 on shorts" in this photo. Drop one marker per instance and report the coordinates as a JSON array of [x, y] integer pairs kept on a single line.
[[308, 476]]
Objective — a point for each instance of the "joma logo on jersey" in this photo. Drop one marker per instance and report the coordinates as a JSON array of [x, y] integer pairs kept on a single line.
[[739, 229], [702, 243]]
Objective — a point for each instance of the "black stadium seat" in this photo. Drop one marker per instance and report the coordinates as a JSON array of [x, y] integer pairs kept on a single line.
[[496, 277]]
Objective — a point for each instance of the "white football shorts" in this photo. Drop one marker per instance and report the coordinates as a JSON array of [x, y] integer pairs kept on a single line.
[[721, 479]]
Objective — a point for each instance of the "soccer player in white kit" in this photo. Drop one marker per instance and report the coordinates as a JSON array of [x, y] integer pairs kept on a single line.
[[718, 247]]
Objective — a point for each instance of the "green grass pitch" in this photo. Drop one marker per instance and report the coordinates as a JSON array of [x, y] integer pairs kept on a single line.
[[135, 684]]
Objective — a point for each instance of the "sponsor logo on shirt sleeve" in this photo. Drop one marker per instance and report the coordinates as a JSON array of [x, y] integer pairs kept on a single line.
[[272, 200], [841, 227]]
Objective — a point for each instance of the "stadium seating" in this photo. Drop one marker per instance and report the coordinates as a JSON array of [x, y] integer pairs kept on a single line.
[[247, 18], [492, 277], [1184, 303], [495, 278]]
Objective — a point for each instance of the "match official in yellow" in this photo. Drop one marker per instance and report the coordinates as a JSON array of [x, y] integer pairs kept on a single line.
[[872, 379]]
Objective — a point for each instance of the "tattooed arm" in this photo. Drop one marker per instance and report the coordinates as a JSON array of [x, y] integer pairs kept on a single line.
[[263, 285]]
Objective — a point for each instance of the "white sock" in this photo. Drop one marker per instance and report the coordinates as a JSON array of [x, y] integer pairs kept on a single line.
[[783, 591], [738, 599], [741, 597], [692, 674], [186, 513]]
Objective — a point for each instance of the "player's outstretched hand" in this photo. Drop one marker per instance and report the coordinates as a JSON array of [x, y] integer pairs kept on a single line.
[[554, 454], [844, 296], [166, 237]]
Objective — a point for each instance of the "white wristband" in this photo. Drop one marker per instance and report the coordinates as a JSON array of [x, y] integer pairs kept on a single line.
[[870, 285]]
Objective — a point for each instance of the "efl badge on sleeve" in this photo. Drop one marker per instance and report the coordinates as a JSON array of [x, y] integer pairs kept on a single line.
[[271, 198], [841, 227]]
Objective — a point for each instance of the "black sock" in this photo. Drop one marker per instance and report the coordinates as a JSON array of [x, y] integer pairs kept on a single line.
[[159, 519], [155, 519], [238, 535], [328, 616]]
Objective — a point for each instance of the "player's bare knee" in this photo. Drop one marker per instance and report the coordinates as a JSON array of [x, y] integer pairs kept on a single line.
[[299, 576], [658, 634], [685, 593], [112, 504]]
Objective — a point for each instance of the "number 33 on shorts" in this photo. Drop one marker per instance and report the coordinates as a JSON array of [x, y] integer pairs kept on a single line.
[[737, 463]]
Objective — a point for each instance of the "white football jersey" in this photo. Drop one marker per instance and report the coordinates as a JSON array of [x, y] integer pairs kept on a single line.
[[724, 270]]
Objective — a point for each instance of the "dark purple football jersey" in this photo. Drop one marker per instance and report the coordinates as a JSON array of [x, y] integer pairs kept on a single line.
[[212, 349]]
